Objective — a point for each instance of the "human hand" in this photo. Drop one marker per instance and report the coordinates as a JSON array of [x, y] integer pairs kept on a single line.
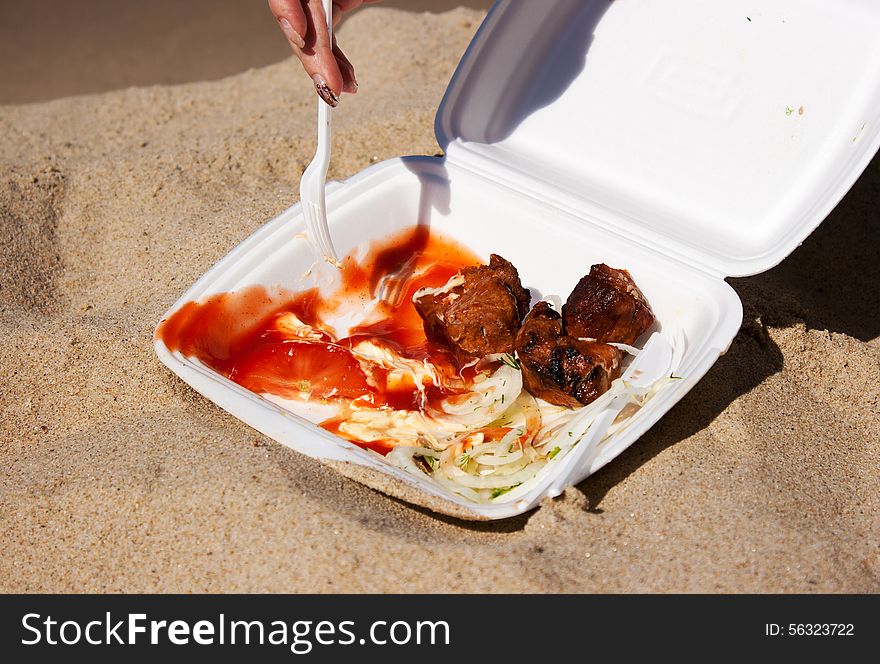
[[305, 26]]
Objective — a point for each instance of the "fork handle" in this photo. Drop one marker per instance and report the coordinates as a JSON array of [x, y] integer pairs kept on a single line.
[[328, 14], [596, 433], [324, 110], [324, 126], [581, 457]]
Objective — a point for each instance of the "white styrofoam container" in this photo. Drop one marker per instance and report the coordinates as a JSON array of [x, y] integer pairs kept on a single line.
[[683, 140]]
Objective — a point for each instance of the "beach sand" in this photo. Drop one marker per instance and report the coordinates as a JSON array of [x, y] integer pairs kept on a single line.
[[57, 48], [116, 476]]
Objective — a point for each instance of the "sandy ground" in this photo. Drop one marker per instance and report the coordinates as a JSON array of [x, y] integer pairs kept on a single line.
[[117, 477], [57, 48]]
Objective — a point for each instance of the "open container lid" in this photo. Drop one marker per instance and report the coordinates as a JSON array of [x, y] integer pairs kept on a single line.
[[719, 132]]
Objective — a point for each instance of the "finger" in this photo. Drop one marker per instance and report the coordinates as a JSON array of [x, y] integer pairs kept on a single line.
[[318, 58], [341, 7], [292, 20], [349, 80], [338, 11], [346, 5]]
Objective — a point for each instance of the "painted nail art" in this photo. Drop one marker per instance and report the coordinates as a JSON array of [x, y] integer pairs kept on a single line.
[[324, 91], [291, 34]]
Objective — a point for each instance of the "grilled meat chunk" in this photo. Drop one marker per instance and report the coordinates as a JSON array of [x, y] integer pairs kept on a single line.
[[558, 367], [606, 305], [479, 313]]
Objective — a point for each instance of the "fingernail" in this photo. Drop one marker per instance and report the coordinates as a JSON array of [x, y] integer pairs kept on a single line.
[[291, 34], [324, 91], [352, 86]]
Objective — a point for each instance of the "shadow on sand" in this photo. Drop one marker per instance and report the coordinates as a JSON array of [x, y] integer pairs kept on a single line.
[[831, 282]]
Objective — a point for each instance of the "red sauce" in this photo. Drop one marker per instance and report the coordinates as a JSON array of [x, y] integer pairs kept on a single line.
[[235, 333], [292, 369]]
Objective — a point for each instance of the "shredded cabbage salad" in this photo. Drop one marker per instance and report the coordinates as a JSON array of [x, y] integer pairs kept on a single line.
[[482, 442], [510, 435]]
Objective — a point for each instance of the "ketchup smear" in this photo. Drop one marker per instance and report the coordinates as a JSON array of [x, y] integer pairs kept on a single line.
[[235, 333]]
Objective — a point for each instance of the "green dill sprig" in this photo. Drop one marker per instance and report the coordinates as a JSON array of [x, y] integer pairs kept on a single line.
[[511, 361], [500, 491]]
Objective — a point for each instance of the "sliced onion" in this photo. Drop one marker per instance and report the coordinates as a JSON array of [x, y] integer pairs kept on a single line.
[[632, 350], [402, 457], [463, 491], [498, 481], [486, 402], [454, 281], [470, 467], [488, 459]]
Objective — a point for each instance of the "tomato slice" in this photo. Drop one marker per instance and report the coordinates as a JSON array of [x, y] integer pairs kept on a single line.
[[300, 370]]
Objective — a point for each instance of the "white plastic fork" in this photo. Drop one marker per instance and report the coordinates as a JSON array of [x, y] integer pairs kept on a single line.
[[392, 286], [654, 361], [311, 186]]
